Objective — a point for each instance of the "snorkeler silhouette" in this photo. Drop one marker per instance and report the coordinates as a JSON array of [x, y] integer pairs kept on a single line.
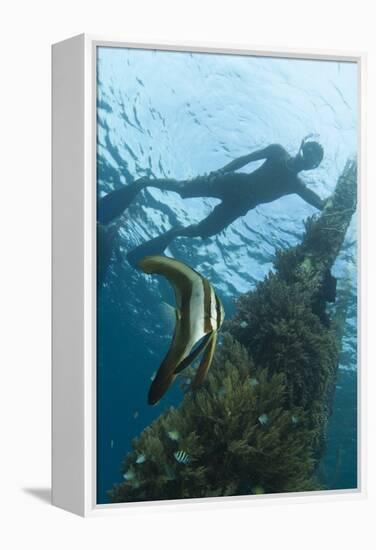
[[238, 192]]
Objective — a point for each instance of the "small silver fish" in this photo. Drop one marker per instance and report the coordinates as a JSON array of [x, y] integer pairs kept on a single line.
[[294, 419], [243, 324], [182, 457], [173, 435], [136, 414], [253, 382], [263, 419], [129, 475], [141, 459]]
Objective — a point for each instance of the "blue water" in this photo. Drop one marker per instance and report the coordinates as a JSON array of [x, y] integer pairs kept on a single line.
[[181, 115]]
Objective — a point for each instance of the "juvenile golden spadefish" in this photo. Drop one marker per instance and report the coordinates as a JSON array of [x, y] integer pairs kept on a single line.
[[199, 316]]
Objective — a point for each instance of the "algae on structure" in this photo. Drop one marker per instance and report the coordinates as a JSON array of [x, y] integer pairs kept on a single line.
[[258, 423], [284, 323]]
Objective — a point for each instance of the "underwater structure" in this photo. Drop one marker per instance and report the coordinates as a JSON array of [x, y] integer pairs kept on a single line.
[[258, 422]]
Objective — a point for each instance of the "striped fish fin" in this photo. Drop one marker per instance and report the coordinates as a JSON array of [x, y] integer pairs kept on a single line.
[[180, 275], [182, 278], [219, 312], [208, 297], [205, 362], [195, 353], [201, 314]]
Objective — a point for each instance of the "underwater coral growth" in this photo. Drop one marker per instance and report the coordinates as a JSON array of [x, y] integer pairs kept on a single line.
[[258, 423], [284, 324], [278, 327], [231, 451]]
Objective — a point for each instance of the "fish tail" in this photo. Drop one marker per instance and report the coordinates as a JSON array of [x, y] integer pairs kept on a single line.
[[205, 362]]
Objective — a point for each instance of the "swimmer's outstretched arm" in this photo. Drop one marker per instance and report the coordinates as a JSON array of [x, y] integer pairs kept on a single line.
[[266, 153], [310, 196]]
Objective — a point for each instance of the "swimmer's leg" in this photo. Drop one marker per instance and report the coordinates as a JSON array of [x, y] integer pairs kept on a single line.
[[155, 246], [196, 187], [113, 204], [211, 225], [167, 184], [217, 220]]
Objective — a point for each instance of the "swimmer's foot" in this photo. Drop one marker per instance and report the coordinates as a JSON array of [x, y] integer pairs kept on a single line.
[[113, 204], [153, 247]]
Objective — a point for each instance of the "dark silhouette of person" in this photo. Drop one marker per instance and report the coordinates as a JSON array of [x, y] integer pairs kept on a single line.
[[239, 192]]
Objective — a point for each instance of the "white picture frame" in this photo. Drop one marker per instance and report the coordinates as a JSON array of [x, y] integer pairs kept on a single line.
[[74, 276]]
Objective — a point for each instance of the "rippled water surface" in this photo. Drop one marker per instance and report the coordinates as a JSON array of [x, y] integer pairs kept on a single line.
[[180, 115]]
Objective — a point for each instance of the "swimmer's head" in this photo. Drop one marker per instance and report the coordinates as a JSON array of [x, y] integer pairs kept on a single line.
[[310, 154]]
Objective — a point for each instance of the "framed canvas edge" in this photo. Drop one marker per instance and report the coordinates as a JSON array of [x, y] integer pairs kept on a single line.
[[67, 299], [89, 299]]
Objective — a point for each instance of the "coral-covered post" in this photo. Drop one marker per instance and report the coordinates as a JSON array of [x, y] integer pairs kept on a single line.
[[284, 323], [258, 423]]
